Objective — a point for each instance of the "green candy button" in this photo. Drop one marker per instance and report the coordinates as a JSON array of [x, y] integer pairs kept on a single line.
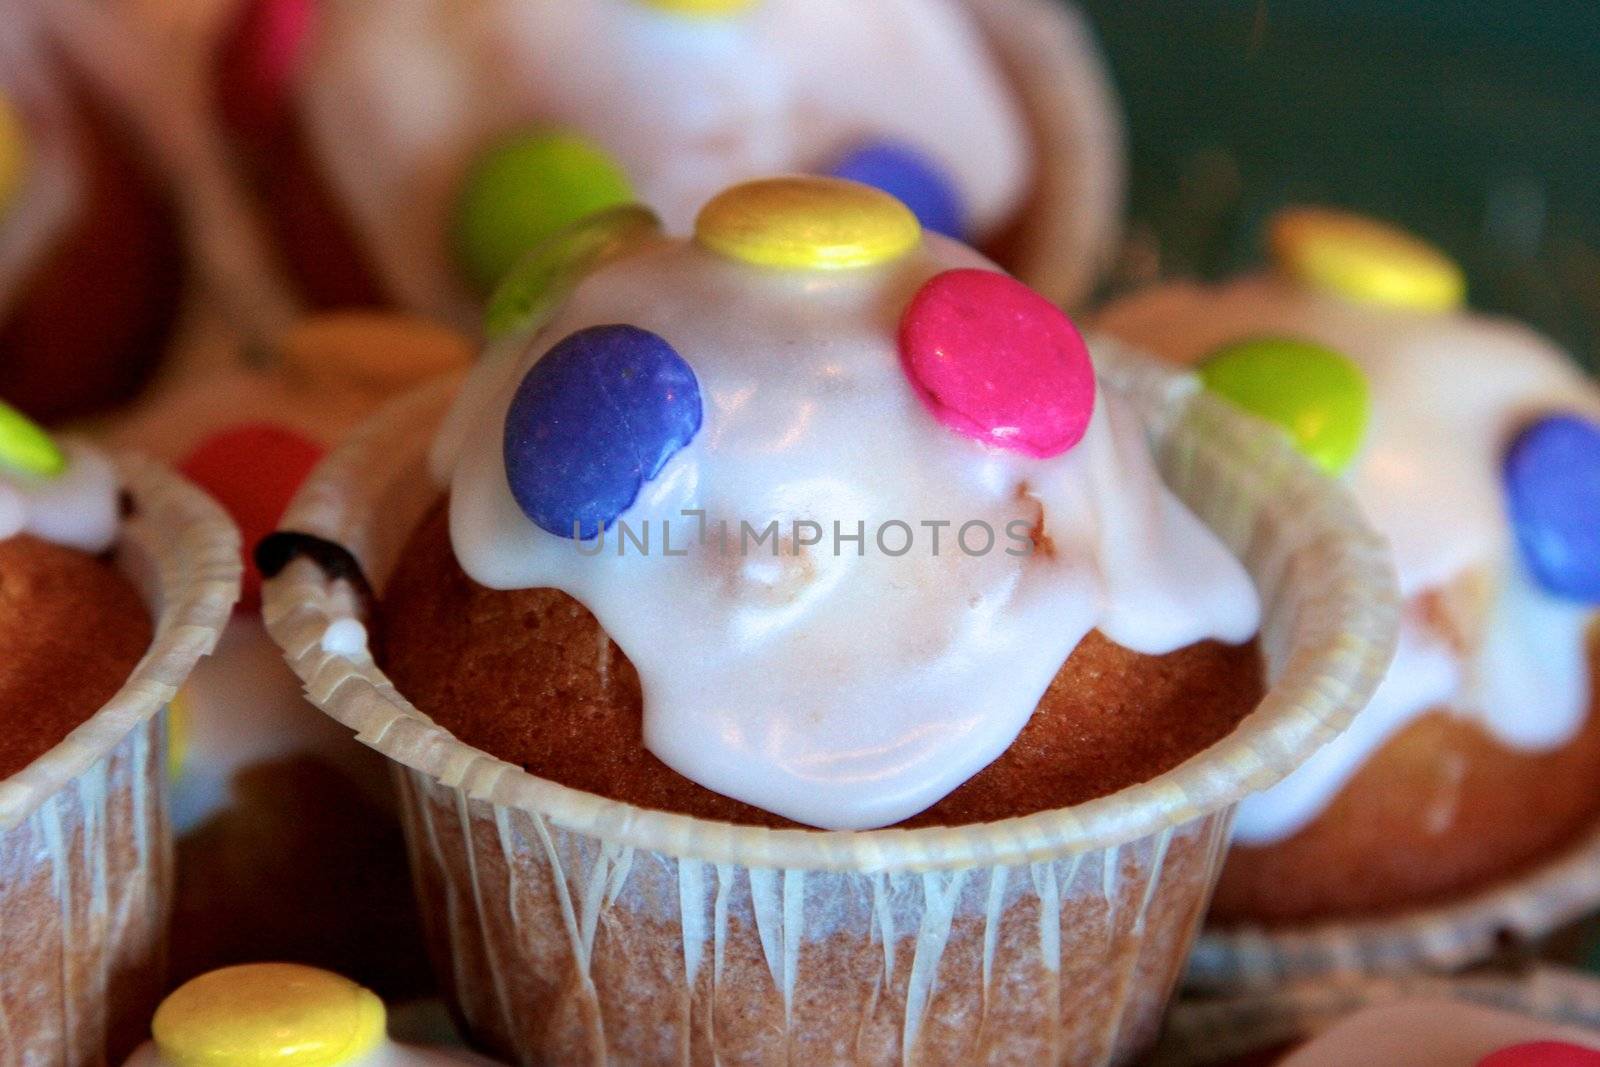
[[524, 189], [541, 281], [1314, 393], [26, 448]]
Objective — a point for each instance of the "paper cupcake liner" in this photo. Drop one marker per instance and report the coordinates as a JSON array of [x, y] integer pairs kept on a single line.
[[85, 846], [1202, 1032], [572, 928], [1071, 228], [1444, 937]]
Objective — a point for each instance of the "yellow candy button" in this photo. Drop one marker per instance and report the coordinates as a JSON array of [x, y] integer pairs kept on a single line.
[[13, 152], [700, 7], [268, 1015], [805, 223], [179, 726], [370, 352], [1364, 260]]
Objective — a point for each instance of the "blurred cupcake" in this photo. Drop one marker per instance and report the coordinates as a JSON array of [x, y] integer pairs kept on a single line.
[[1472, 445], [114, 579], [288, 843], [409, 152], [280, 1013], [670, 606], [89, 266]]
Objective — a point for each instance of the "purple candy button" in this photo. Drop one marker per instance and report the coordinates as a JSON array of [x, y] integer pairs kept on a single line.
[[1552, 482]]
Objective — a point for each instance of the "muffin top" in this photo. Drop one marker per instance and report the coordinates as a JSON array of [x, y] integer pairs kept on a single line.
[[71, 626], [598, 102], [843, 493], [1471, 443]]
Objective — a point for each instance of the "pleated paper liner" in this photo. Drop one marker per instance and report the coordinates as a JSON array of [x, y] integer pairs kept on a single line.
[[570, 928], [1442, 938], [85, 846], [1203, 1032]]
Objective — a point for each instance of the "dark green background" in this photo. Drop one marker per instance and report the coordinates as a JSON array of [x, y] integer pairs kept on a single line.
[[1475, 124]]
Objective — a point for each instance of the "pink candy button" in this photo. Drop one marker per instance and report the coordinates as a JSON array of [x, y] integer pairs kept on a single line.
[[1543, 1054], [997, 362]]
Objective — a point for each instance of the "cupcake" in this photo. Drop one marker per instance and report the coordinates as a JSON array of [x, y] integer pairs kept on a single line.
[[279, 1013], [77, 217], [409, 152], [287, 836], [711, 753], [115, 578], [1473, 445]]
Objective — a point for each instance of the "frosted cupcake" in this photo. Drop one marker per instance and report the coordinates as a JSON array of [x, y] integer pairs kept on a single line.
[[77, 217], [1472, 444], [664, 760], [409, 152], [114, 580], [286, 826], [280, 1013]]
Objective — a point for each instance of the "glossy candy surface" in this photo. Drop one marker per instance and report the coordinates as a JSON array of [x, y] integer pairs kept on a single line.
[[1364, 260], [1313, 392], [1552, 484], [596, 418], [26, 448], [524, 189], [1543, 1054], [995, 361], [804, 223], [912, 177], [269, 1015], [537, 285]]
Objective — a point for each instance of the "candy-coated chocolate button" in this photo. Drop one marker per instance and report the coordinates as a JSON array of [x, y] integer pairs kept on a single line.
[[1543, 1054], [539, 284], [805, 223], [594, 420], [259, 60], [701, 8], [179, 725], [1314, 393], [1552, 482], [252, 470], [1364, 260], [997, 362], [13, 153], [26, 448], [374, 353], [268, 1015], [524, 189], [912, 177]]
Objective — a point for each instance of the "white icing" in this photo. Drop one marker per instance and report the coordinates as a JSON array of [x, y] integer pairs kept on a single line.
[[1447, 391], [400, 96], [51, 189], [77, 508], [841, 690], [1429, 1033]]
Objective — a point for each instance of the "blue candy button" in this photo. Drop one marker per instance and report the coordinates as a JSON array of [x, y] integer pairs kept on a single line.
[[914, 178], [1552, 477], [592, 422]]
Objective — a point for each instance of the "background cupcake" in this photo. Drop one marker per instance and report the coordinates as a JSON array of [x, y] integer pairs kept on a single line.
[[601, 907], [104, 609], [80, 226], [1472, 445], [409, 152], [288, 844]]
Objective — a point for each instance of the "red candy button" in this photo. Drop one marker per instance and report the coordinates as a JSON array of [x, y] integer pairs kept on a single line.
[[253, 470], [1543, 1054], [260, 58], [997, 362]]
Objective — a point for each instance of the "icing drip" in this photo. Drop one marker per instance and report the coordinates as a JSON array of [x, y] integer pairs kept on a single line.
[[1448, 390], [77, 508], [400, 96], [842, 689]]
